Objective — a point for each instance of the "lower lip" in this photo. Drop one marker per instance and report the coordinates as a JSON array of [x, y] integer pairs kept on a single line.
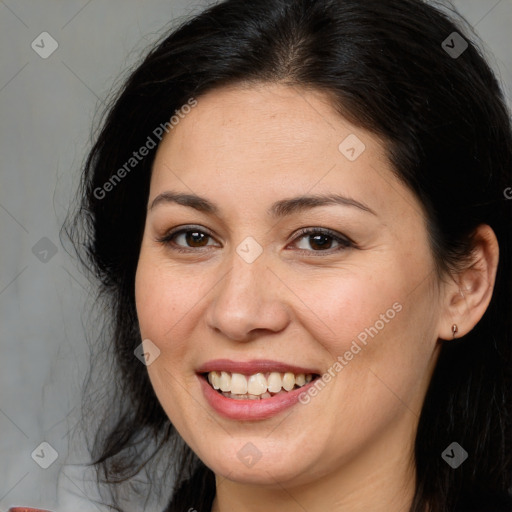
[[260, 409]]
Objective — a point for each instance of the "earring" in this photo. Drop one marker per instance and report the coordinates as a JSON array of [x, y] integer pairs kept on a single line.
[[455, 329]]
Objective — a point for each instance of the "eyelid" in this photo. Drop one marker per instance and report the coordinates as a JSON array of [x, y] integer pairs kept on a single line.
[[344, 241], [339, 237], [177, 230]]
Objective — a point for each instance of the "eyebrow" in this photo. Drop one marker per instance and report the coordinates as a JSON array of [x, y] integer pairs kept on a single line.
[[279, 209]]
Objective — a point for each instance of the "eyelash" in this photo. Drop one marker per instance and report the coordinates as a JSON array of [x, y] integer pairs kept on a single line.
[[345, 243]]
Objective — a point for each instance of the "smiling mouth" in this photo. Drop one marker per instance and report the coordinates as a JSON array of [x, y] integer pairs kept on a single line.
[[258, 386]]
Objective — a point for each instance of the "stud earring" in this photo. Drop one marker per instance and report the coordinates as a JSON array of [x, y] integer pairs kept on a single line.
[[455, 330]]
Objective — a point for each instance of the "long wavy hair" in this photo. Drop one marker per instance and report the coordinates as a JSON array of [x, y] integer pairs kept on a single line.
[[387, 68]]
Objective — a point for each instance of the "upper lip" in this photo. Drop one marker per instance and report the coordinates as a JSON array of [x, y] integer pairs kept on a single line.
[[252, 367]]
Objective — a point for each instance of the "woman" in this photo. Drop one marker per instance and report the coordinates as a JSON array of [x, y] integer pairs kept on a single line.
[[297, 212]]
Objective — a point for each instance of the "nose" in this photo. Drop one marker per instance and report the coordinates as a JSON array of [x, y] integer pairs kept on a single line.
[[248, 302]]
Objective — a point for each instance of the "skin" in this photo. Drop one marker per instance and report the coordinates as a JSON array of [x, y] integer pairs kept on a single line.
[[350, 448]]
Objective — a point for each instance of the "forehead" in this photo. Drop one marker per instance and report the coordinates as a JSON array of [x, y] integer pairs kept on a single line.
[[262, 120], [276, 141]]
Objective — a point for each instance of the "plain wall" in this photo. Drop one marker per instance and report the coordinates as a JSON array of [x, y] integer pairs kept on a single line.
[[47, 108]]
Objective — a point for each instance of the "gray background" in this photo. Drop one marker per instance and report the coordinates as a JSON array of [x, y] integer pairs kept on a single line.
[[47, 108]]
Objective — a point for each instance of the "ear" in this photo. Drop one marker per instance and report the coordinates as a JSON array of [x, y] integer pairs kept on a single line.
[[467, 296]]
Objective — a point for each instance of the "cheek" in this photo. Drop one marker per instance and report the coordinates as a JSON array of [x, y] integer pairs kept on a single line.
[[342, 307], [165, 299], [379, 320]]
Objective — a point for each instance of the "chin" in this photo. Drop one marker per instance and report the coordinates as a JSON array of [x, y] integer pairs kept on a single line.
[[269, 470]]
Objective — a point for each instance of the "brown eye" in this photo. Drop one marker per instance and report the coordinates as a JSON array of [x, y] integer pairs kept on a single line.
[[196, 238], [186, 239], [322, 240]]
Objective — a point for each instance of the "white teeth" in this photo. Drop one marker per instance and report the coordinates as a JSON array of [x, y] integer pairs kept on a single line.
[[259, 385], [214, 379], [288, 381], [275, 383], [238, 384], [225, 381]]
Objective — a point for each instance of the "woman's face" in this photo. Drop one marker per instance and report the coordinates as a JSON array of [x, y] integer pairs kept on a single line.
[[355, 300]]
